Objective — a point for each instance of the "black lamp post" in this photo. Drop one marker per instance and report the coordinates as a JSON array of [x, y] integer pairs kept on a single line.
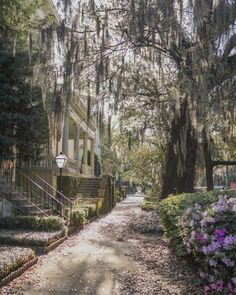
[[61, 160]]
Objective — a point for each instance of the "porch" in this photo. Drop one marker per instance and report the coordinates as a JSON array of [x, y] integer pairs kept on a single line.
[[78, 144]]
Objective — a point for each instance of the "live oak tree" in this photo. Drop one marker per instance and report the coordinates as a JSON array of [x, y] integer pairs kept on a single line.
[[195, 39], [190, 34]]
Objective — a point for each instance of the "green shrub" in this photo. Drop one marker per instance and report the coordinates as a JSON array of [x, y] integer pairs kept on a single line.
[[149, 206], [150, 199], [209, 235], [118, 196], [29, 238], [70, 186], [172, 208], [203, 226], [20, 222], [51, 223], [92, 210], [78, 217]]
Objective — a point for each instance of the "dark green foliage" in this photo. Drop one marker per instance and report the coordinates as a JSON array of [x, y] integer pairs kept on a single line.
[[118, 196], [78, 217], [29, 238], [52, 223], [90, 209], [70, 186], [23, 122], [149, 206], [172, 208], [109, 200], [16, 18]]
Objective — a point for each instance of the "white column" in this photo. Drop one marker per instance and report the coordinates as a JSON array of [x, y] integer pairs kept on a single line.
[[65, 138], [92, 156], [77, 147], [85, 153]]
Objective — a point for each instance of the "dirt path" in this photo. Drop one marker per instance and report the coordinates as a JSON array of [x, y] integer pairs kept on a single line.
[[111, 256]]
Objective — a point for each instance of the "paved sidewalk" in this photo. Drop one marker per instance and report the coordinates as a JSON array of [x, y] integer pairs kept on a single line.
[[87, 263], [108, 258]]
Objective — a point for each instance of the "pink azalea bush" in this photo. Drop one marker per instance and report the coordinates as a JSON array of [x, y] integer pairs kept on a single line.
[[210, 236]]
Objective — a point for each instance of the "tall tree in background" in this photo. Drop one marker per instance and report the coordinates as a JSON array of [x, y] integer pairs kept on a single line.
[[196, 38], [190, 34]]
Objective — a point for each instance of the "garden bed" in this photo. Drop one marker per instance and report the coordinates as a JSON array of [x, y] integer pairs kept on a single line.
[[50, 247], [202, 226], [29, 238], [14, 261], [33, 223]]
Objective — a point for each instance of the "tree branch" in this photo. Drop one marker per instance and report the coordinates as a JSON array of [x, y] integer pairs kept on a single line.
[[222, 162], [229, 46]]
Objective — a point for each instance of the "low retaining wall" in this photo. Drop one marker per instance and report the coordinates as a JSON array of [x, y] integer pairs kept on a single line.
[[18, 272]]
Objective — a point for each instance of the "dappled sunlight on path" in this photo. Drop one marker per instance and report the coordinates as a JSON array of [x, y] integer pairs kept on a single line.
[[109, 257]]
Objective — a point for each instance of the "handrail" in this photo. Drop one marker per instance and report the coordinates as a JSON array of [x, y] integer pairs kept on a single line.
[[10, 183], [36, 194], [53, 188], [58, 206], [35, 205], [35, 183]]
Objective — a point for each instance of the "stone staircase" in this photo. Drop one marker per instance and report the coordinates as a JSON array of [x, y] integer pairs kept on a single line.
[[32, 195], [89, 187], [20, 204]]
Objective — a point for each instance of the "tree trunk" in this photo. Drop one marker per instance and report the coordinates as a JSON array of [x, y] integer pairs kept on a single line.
[[179, 171], [208, 161], [210, 164], [209, 175]]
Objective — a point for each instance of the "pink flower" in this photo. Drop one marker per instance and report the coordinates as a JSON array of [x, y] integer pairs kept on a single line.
[[212, 262], [233, 280], [230, 286], [207, 289], [220, 232], [218, 285], [203, 238]]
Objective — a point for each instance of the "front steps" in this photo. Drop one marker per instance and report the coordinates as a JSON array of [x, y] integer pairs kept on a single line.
[[89, 187], [25, 206], [29, 198]]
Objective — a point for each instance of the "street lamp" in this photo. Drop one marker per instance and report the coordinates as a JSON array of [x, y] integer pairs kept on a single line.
[[61, 163]]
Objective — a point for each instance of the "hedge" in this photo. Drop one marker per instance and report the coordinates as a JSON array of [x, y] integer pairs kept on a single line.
[[91, 210], [78, 217], [29, 238], [70, 186], [52, 223], [173, 207]]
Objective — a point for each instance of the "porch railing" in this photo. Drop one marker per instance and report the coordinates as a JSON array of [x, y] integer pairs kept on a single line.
[[53, 191], [10, 189], [43, 196]]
